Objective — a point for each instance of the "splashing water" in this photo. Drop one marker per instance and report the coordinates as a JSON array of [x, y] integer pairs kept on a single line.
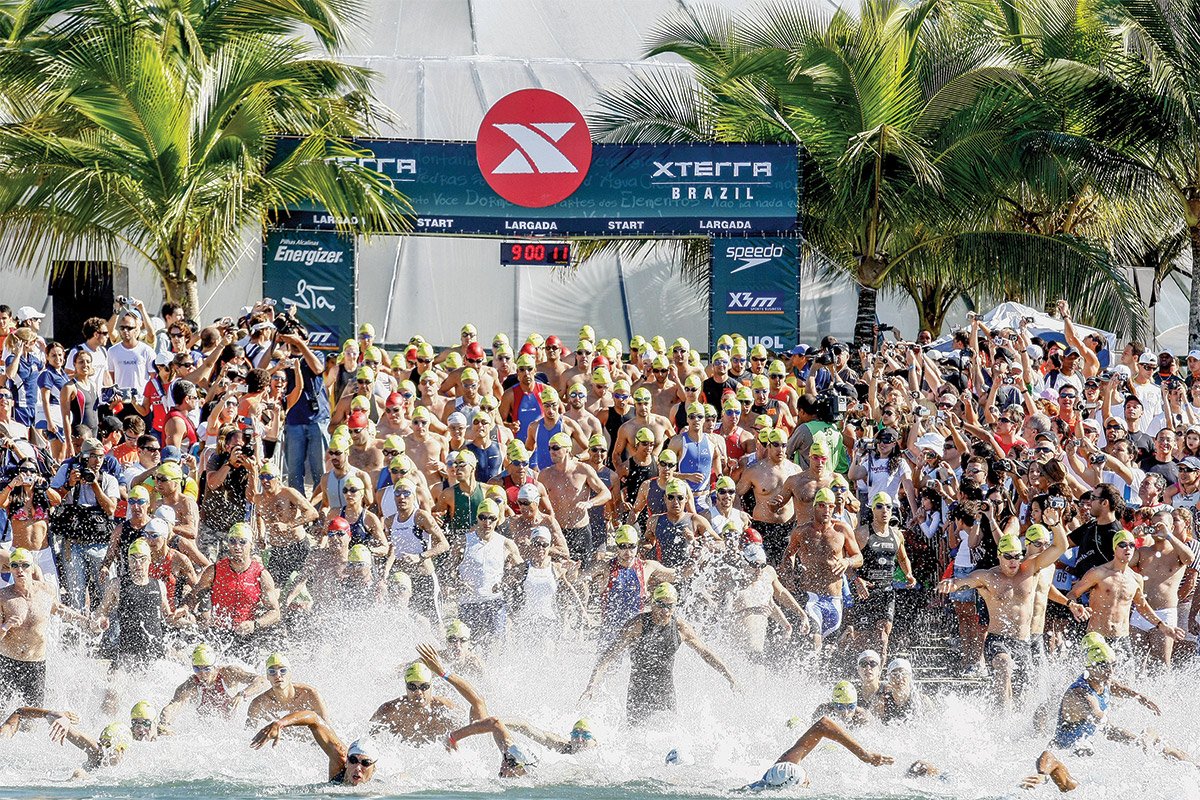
[[732, 738]]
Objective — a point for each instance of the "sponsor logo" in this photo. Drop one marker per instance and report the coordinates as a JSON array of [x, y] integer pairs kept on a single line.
[[769, 342], [309, 297], [533, 148], [308, 255], [752, 256], [753, 303], [712, 169]]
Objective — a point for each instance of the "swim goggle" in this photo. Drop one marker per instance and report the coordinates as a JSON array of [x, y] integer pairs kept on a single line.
[[582, 735]]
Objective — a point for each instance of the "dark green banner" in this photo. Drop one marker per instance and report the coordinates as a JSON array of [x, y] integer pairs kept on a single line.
[[755, 290], [315, 272]]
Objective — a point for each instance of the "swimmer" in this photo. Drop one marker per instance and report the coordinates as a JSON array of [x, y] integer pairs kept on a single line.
[[1084, 711], [350, 766], [843, 706], [458, 653], [653, 637], [898, 698], [209, 687], [419, 716], [105, 751], [284, 696], [787, 770], [142, 722], [514, 761]]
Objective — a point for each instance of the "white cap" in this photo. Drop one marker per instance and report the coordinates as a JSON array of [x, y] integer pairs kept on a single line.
[[457, 418], [1033, 351], [163, 359], [931, 441], [1194, 354], [754, 553], [519, 757], [900, 664], [782, 773], [1148, 358], [679, 757], [540, 532], [1124, 371], [529, 492], [165, 513], [363, 747], [869, 653], [26, 313], [159, 526]]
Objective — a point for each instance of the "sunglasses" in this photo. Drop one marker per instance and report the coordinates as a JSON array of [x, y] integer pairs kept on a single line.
[[456, 639], [127, 327], [1127, 545], [524, 369], [675, 497], [1013, 556], [417, 687], [627, 547], [868, 662], [486, 518], [598, 449], [554, 448], [661, 604], [726, 491], [519, 463]]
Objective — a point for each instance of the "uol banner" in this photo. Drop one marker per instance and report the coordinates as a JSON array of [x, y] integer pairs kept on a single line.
[[755, 290], [315, 272]]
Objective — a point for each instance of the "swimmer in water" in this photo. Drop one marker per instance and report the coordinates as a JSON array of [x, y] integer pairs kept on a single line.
[[284, 696], [514, 761], [787, 770], [209, 687], [844, 706], [580, 738], [105, 751], [420, 717], [349, 766], [1084, 711], [141, 722]]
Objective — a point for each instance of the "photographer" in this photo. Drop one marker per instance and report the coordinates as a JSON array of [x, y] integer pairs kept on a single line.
[[228, 484], [130, 360], [84, 520], [304, 433]]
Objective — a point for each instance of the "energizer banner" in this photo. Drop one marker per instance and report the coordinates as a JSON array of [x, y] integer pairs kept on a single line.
[[507, 186], [315, 272], [756, 290]]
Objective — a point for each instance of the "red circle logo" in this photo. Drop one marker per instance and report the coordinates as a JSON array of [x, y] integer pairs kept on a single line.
[[533, 148]]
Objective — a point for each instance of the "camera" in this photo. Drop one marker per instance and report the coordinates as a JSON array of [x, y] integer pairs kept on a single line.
[[1097, 459], [86, 475], [886, 328], [1057, 502], [1008, 381], [1027, 320], [831, 406], [286, 323], [824, 358]]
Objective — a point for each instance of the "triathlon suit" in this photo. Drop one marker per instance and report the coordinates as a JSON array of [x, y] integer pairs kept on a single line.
[[526, 408], [771, 409], [623, 598], [139, 635], [213, 697], [656, 500], [1072, 735], [408, 539], [541, 442], [671, 545], [23, 679], [612, 424], [358, 528], [635, 475], [539, 609], [698, 457], [878, 570], [82, 410], [733, 443], [511, 489], [129, 535], [466, 507], [160, 570], [481, 607], [188, 427], [899, 711], [651, 677], [235, 595]]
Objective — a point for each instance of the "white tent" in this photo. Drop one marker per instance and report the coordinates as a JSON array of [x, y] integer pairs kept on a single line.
[[1009, 315]]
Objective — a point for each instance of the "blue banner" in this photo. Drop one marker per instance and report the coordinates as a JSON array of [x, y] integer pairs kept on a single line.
[[629, 190], [315, 272], [756, 290]]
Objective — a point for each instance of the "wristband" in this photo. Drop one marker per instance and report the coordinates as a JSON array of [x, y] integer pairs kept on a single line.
[[445, 675]]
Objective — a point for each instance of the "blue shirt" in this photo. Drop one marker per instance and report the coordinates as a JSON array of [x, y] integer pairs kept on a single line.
[[24, 388], [313, 404]]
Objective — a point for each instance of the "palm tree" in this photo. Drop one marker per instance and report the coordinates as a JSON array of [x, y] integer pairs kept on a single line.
[[146, 129], [901, 111]]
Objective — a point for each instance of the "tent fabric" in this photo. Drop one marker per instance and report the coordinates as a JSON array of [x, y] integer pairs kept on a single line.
[[1010, 315]]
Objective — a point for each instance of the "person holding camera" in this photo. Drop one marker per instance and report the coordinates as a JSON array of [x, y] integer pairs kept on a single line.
[[84, 521], [130, 360], [304, 439]]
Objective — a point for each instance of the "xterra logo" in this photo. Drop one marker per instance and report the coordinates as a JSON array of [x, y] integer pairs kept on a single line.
[[753, 303], [533, 148], [752, 256]]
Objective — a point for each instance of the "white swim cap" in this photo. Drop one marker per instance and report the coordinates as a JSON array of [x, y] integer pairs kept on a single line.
[[679, 757], [782, 773]]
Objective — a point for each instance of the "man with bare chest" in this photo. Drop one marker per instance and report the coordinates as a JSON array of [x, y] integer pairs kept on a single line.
[[419, 716], [1162, 561], [658, 424], [1010, 590], [817, 558], [767, 478], [1114, 589], [284, 513], [284, 696], [802, 487], [426, 450], [663, 391], [588, 422], [573, 489], [364, 453]]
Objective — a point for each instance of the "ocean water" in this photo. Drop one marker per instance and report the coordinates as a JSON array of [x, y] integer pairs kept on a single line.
[[731, 737]]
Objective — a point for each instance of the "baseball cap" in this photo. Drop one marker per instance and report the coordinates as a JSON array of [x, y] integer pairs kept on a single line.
[[799, 350], [1148, 358], [26, 313]]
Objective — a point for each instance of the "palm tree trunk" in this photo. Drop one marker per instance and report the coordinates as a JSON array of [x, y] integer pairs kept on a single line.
[[1194, 298], [864, 321], [183, 291]]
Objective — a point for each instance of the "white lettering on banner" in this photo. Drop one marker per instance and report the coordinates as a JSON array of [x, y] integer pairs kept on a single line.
[[430, 222], [307, 297], [712, 193], [307, 256], [715, 169], [530, 225], [752, 256], [392, 166], [724, 225], [753, 303], [320, 338], [769, 342], [626, 225], [329, 219]]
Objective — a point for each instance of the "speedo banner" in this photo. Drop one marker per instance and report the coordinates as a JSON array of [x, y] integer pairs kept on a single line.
[[625, 190], [315, 272], [756, 290]]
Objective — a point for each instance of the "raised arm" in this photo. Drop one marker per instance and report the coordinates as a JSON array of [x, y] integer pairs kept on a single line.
[[322, 734]]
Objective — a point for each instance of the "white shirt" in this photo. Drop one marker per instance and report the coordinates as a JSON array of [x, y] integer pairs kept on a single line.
[[131, 367]]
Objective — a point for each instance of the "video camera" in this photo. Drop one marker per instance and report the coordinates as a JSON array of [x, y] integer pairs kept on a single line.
[[286, 323]]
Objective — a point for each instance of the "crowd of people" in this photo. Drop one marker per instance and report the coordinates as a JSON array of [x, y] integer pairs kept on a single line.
[[219, 493]]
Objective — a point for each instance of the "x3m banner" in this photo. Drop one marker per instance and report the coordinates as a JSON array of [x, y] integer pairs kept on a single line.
[[316, 272], [756, 290]]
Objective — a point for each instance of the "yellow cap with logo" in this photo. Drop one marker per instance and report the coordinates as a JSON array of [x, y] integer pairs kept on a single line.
[[141, 710], [844, 693], [626, 534], [417, 672], [665, 593], [277, 660], [457, 629], [823, 495], [203, 656]]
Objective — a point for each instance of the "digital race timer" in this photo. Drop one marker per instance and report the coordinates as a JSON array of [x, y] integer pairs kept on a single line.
[[540, 254]]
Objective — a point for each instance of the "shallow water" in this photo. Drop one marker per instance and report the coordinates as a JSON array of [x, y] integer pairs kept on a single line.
[[732, 738]]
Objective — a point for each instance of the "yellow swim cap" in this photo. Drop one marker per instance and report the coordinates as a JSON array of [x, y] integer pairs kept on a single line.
[[819, 448], [359, 554], [881, 499], [561, 439], [1009, 544], [1093, 639], [117, 736], [668, 457], [626, 534], [597, 440], [676, 486], [517, 451], [139, 547], [1122, 536], [775, 436], [142, 493], [763, 422], [141, 710], [1038, 533], [760, 383], [550, 395], [240, 530], [417, 672], [731, 404], [277, 660], [19, 555], [695, 408], [170, 470], [582, 725], [726, 482], [1101, 654], [203, 656], [400, 578], [457, 629], [824, 495], [487, 507], [392, 442], [644, 435], [844, 693], [453, 361], [665, 593]]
